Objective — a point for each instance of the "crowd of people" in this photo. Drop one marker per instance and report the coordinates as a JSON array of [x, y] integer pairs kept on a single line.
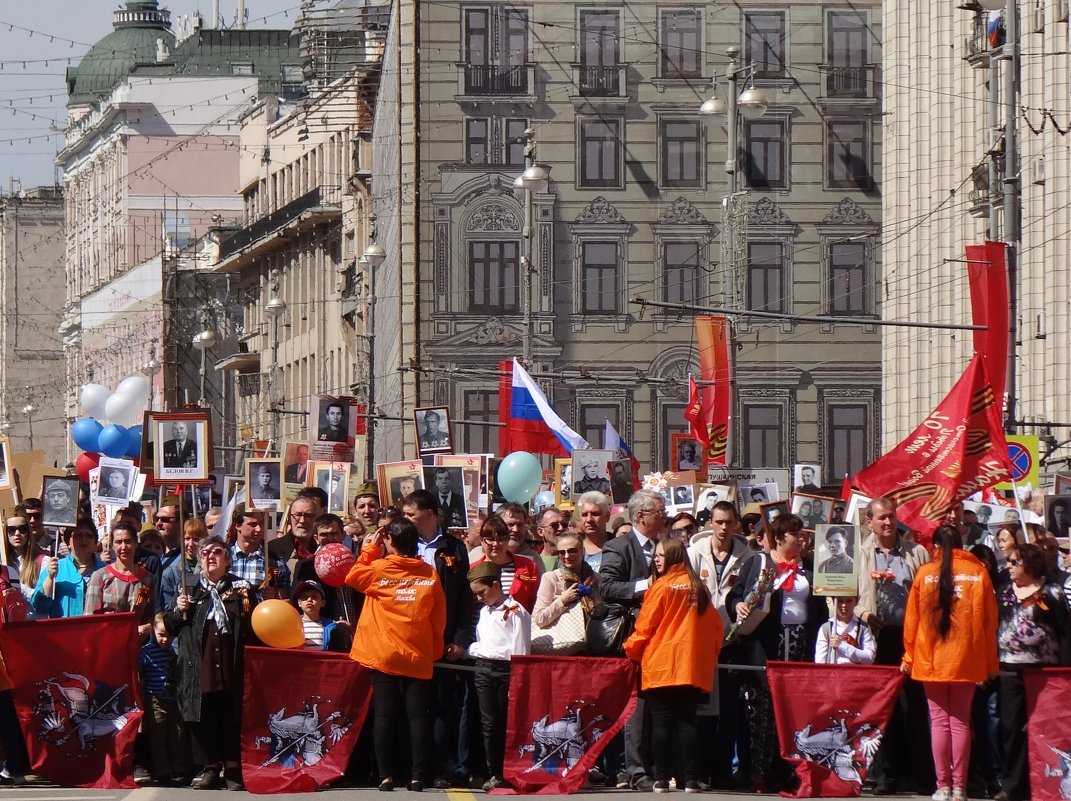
[[962, 620]]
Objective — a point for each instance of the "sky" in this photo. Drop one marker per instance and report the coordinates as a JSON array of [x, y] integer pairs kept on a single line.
[[40, 39]]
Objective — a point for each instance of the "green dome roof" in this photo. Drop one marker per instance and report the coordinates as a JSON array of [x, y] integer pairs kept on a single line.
[[137, 27]]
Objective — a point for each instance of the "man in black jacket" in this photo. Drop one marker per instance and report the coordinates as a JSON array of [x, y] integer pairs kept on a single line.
[[451, 562], [624, 577]]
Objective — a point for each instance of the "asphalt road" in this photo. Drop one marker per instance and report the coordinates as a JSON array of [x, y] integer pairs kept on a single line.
[[44, 792]]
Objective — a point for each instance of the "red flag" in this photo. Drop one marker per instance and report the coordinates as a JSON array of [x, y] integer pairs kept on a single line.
[[845, 489], [695, 414], [830, 720], [505, 398], [76, 694], [987, 274], [563, 711], [301, 715], [958, 450], [712, 337], [1048, 729]]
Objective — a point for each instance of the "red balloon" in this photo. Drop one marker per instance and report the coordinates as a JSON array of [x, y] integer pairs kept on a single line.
[[332, 562], [84, 463]]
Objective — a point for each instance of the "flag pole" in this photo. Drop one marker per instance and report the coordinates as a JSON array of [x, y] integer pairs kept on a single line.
[[1019, 508]]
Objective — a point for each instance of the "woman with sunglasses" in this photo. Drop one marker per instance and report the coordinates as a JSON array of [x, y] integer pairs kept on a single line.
[[683, 526], [572, 582], [520, 575], [24, 555], [61, 587], [676, 640], [212, 625], [1032, 632]]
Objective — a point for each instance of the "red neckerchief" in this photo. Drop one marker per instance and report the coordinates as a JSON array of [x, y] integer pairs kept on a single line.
[[300, 551], [791, 568], [131, 578]]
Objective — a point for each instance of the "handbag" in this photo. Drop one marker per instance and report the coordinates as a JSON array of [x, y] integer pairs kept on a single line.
[[565, 636], [609, 625]]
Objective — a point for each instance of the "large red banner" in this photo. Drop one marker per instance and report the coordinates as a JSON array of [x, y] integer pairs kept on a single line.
[[1048, 697], [958, 450], [830, 720], [563, 711], [301, 716], [987, 274], [712, 337], [76, 695]]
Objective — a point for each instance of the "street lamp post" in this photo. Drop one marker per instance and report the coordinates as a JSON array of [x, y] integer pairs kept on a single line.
[[28, 410], [374, 255], [203, 341], [275, 308], [533, 179], [149, 370]]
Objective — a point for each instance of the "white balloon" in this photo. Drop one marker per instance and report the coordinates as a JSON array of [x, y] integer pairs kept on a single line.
[[135, 386], [93, 399], [122, 409]]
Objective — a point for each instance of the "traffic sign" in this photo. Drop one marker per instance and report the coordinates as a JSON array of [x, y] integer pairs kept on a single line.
[[1023, 455]]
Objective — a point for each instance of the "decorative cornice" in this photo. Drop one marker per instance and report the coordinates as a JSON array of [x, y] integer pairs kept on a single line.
[[492, 332], [682, 212], [494, 217], [766, 212], [848, 212], [599, 211]]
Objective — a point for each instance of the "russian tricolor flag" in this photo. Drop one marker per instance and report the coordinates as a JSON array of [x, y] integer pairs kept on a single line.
[[531, 423]]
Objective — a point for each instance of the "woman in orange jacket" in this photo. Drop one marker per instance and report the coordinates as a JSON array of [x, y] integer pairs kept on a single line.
[[676, 640], [399, 636], [950, 645]]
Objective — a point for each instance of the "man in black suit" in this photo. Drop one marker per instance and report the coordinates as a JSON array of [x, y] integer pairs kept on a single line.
[[333, 423], [179, 451], [297, 472], [807, 485], [624, 578], [451, 504]]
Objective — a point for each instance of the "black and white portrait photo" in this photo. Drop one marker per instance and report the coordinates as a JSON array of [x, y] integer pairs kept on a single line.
[[333, 421], [447, 485], [813, 510], [433, 430], [771, 510], [805, 479], [183, 451], [1058, 514], [116, 487], [835, 566], [589, 471], [563, 483], [682, 496], [333, 478], [706, 495], [689, 454], [60, 501], [621, 480], [332, 429], [758, 493], [263, 482]]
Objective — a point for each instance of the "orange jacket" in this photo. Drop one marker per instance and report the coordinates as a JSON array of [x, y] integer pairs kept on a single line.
[[969, 653], [674, 644], [401, 626]]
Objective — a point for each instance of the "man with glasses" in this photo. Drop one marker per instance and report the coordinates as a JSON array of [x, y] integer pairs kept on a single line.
[[300, 543], [623, 579], [247, 555], [594, 513], [33, 511], [549, 525]]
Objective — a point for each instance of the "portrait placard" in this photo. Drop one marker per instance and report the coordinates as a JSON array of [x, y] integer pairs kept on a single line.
[[591, 472], [117, 481], [686, 453], [447, 484], [706, 495], [263, 483], [5, 463], [621, 487], [771, 510], [813, 510], [334, 479], [184, 446], [59, 498], [432, 427], [757, 493], [855, 511], [563, 483], [681, 499], [1058, 514], [836, 570], [806, 478], [332, 429], [398, 479]]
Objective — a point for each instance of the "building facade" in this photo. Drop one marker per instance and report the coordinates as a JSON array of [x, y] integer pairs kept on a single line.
[[31, 372], [633, 210], [946, 184]]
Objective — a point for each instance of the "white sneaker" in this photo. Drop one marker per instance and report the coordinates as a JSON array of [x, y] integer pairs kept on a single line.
[[959, 794], [942, 794]]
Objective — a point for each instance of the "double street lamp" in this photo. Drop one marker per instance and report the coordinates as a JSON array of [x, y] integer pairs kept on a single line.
[[534, 179], [202, 342]]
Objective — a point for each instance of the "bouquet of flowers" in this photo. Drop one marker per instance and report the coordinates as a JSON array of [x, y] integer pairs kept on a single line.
[[754, 599]]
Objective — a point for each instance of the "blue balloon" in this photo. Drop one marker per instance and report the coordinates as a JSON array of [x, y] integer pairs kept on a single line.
[[113, 441], [542, 501], [84, 432], [133, 441], [519, 476]]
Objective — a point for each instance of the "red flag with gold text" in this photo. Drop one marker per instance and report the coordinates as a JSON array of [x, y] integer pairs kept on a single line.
[[712, 337], [301, 716], [563, 711], [958, 450], [1048, 729], [77, 697], [987, 274], [830, 720]]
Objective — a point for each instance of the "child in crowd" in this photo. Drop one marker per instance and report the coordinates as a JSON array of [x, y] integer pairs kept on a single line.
[[169, 742], [152, 542], [321, 634], [844, 640], [503, 630]]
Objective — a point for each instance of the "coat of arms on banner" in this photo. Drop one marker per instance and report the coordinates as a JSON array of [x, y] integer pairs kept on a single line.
[[557, 745], [303, 738], [1062, 770], [71, 708], [839, 748]]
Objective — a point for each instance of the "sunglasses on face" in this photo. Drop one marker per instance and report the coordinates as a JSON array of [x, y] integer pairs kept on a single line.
[[212, 552], [163, 519], [32, 515], [1015, 562], [24, 529], [568, 551], [556, 526]]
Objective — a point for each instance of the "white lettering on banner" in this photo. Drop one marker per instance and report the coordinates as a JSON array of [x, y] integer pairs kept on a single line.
[[962, 578], [406, 582]]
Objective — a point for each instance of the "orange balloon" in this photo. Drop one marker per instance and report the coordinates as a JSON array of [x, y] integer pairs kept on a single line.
[[278, 624]]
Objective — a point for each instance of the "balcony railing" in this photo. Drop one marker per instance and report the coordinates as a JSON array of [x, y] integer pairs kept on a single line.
[[599, 81], [495, 79], [848, 82], [279, 219]]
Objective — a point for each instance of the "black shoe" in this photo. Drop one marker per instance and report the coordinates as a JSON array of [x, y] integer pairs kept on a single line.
[[1002, 795], [386, 786], [442, 784], [644, 784], [415, 786], [233, 779], [208, 779]]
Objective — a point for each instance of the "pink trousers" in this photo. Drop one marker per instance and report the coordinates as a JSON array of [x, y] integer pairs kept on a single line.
[[950, 726]]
